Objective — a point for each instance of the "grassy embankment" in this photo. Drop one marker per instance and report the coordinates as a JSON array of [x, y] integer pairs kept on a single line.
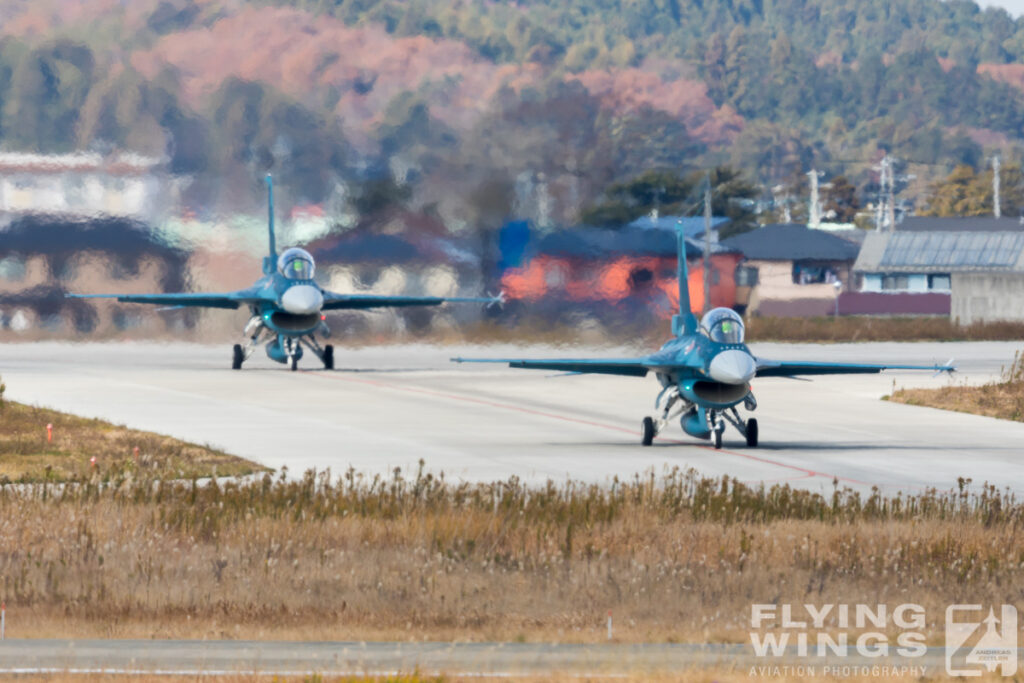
[[871, 329], [26, 454], [676, 558], [1002, 398]]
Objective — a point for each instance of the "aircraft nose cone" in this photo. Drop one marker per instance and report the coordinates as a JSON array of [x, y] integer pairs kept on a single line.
[[732, 367], [302, 299]]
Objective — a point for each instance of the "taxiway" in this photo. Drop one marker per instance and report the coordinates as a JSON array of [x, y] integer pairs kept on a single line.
[[388, 407]]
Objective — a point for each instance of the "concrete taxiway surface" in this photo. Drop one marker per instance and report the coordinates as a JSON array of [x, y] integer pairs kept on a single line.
[[389, 407], [295, 658]]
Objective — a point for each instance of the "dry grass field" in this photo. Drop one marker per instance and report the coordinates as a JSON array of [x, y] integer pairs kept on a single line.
[[26, 454], [1003, 398], [694, 676], [676, 557]]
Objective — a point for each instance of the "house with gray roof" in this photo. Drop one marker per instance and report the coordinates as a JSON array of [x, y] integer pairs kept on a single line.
[[795, 269], [981, 272]]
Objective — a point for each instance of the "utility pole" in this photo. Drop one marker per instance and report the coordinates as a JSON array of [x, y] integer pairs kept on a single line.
[[814, 212], [997, 209], [883, 169], [890, 204], [707, 243], [885, 212]]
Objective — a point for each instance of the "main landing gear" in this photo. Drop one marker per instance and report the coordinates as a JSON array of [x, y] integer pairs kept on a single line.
[[289, 347], [716, 419], [325, 353], [748, 428], [650, 427]]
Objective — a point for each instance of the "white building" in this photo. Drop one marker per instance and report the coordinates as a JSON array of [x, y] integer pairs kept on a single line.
[[83, 184]]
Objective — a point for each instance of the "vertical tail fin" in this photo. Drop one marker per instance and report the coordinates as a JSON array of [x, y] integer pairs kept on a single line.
[[684, 322], [270, 263]]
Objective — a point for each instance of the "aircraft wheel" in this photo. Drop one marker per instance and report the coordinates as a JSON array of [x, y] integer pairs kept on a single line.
[[752, 433], [329, 357], [718, 438], [237, 357], [647, 431], [295, 363]]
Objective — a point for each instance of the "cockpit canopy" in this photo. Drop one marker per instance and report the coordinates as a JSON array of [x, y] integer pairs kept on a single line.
[[723, 325], [296, 264]]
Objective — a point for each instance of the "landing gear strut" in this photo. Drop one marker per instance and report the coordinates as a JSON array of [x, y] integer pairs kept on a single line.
[[325, 353], [254, 329], [717, 427], [650, 427], [747, 428]]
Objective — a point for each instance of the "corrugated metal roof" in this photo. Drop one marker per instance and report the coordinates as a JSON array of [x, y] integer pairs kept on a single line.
[[941, 252]]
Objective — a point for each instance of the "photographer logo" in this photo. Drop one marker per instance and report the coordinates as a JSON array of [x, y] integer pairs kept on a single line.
[[976, 643]]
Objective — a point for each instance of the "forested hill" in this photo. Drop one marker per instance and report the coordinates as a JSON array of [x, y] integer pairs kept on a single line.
[[474, 111]]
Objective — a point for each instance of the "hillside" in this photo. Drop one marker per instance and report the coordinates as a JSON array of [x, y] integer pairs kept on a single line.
[[477, 111]]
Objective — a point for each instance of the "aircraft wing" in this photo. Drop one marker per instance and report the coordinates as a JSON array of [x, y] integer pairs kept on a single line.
[[630, 367], [183, 299], [771, 368], [335, 302]]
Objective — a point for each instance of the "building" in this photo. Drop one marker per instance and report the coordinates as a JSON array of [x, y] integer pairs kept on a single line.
[[692, 226], [84, 184], [628, 273], [794, 270], [977, 273]]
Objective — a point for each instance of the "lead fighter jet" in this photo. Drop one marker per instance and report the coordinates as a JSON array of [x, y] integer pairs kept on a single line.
[[286, 304], [706, 369]]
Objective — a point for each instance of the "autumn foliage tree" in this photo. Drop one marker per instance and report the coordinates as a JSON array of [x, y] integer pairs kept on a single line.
[[965, 192]]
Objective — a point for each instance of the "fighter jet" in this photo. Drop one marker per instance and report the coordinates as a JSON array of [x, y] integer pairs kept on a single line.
[[287, 305], [704, 371]]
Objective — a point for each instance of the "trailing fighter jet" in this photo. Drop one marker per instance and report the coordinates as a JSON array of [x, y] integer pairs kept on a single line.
[[286, 304], [706, 369]]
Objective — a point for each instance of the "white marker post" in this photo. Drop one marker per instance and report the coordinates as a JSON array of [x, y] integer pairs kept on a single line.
[[3, 618], [609, 624]]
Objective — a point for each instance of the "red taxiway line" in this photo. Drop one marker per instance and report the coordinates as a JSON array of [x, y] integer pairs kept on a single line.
[[555, 416]]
